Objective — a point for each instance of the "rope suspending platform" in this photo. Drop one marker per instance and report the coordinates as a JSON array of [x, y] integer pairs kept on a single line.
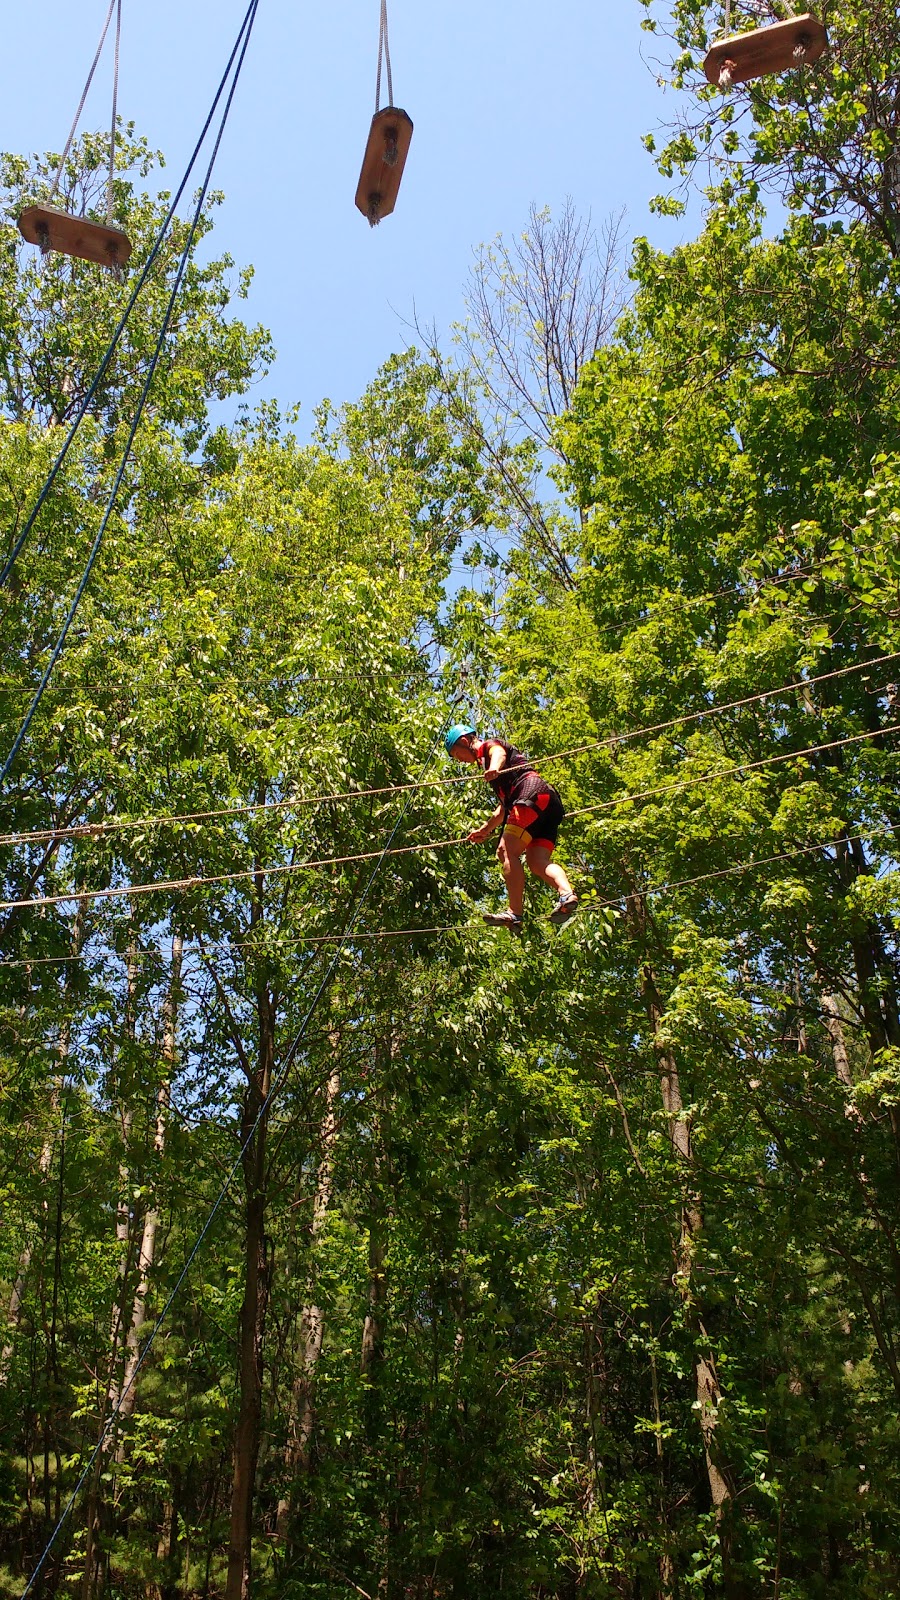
[[53, 229], [780, 47], [388, 147]]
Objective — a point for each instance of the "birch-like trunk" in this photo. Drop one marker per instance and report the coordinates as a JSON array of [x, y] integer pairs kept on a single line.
[[45, 1161], [111, 1396], [254, 1130], [690, 1229], [709, 1393], [301, 1423], [147, 1253]]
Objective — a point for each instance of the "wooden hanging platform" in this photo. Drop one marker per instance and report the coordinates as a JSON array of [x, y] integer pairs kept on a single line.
[[382, 168], [75, 236], [780, 48]]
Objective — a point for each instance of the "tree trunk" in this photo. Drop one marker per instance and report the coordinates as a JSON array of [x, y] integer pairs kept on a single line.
[[690, 1228], [14, 1308], [666, 1564], [147, 1254], [111, 1396], [372, 1348], [253, 1310], [301, 1422]]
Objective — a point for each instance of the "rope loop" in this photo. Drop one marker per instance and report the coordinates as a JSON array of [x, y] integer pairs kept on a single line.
[[384, 58]]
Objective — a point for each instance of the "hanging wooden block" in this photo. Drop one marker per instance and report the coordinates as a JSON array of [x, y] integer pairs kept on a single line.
[[75, 236], [785, 45], [382, 168]]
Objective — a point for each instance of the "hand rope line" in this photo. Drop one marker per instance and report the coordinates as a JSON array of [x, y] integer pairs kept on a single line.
[[179, 885], [147, 268], [100, 829], [742, 766], [85, 92], [278, 1083], [138, 414]]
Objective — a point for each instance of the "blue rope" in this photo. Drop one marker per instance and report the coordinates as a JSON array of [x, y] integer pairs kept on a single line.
[[350, 928], [113, 344], [148, 382]]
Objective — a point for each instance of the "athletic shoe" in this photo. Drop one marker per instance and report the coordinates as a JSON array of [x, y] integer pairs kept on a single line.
[[504, 919], [566, 907]]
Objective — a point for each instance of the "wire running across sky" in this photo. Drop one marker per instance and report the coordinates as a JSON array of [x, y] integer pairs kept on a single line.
[[749, 867], [88, 830], [183, 885]]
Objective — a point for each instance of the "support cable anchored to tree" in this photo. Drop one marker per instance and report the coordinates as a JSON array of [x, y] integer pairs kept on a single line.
[[182, 885], [84, 407], [347, 934], [57, 650], [115, 825]]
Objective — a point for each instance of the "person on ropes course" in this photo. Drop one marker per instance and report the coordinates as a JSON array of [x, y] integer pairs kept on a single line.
[[528, 813]]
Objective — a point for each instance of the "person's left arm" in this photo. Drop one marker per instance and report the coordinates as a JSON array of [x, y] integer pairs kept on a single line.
[[479, 835]]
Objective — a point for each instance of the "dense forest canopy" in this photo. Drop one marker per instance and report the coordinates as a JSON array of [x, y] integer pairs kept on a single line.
[[425, 1261]]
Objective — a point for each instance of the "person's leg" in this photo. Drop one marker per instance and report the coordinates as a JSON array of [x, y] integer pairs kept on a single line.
[[510, 859], [549, 871]]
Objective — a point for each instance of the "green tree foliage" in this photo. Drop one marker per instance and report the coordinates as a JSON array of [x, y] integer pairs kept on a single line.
[[557, 1267]]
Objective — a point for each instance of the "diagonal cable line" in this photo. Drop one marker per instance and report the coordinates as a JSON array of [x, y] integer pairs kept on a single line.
[[136, 420], [89, 397]]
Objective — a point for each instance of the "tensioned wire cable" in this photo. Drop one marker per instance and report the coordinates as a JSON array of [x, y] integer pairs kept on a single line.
[[275, 1088], [139, 411], [115, 115], [101, 829], [89, 397], [180, 885], [650, 891]]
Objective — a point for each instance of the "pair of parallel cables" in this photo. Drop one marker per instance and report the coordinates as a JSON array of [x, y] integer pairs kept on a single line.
[[227, 87], [92, 830]]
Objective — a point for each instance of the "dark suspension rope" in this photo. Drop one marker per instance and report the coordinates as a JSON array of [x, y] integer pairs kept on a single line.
[[135, 293], [145, 392]]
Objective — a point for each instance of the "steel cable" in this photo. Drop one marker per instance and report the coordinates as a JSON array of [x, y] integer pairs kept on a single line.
[[197, 881], [101, 829]]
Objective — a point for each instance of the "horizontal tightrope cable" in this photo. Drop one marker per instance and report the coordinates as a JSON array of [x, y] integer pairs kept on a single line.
[[182, 885], [612, 741]]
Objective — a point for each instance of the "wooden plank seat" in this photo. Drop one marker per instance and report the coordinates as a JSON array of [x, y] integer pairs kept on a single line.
[[779, 48], [382, 168], [51, 229]]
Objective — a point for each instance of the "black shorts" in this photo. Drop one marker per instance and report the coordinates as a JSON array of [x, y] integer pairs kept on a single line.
[[536, 820]]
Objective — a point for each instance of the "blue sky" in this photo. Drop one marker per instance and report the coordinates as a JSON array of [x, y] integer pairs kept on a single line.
[[511, 104]]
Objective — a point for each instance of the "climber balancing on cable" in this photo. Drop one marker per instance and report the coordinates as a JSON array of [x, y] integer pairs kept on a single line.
[[528, 813]]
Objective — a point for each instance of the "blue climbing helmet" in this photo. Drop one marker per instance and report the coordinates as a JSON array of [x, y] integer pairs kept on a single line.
[[458, 731]]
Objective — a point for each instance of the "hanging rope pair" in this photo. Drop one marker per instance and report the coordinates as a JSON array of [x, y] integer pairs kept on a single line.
[[53, 229], [389, 141], [740, 57]]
